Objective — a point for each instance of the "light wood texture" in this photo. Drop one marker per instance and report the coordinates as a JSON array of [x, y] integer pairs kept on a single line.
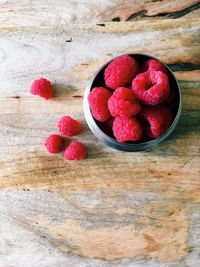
[[114, 208], [61, 12]]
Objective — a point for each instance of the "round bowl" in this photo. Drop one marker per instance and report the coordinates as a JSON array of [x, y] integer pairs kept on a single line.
[[95, 126]]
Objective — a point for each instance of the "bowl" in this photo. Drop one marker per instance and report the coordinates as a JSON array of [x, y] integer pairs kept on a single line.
[[109, 140]]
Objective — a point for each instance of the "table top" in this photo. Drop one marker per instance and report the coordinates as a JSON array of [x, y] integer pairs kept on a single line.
[[113, 208]]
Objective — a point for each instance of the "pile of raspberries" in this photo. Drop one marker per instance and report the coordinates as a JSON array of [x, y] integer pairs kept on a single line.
[[133, 102], [67, 127]]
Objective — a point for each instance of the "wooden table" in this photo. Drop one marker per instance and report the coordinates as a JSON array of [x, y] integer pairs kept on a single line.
[[114, 208]]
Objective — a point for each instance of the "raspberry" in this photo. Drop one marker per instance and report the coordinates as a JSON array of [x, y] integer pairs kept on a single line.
[[98, 101], [127, 129], [68, 126], [153, 64], [54, 144], [42, 87], [156, 120], [75, 151], [120, 72], [123, 103], [152, 88]]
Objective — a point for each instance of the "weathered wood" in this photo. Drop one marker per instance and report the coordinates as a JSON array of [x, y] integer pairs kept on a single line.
[[61, 12], [114, 208]]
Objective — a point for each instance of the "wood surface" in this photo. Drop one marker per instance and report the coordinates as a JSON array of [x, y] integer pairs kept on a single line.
[[114, 208], [62, 12]]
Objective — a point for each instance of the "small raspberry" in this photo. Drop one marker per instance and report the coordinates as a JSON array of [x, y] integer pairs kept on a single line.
[[42, 87], [127, 129], [98, 101], [153, 64], [123, 103], [152, 88], [68, 126], [120, 72], [54, 143], [75, 151], [156, 120]]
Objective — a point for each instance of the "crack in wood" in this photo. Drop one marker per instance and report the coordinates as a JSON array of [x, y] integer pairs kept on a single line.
[[174, 15], [184, 66], [101, 24], [138, 14], [178, 14], [116, 19], [16, 97], [77, 96], [69, 40], [183, 12]]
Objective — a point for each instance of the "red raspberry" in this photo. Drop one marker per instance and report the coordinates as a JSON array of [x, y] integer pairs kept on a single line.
[[75, 151], [120, 72], [153, 64], [54, 143], [98, 101], [123, 103], [152, 88], [42, 87], [68, 126], [127, 129], [156, 120]]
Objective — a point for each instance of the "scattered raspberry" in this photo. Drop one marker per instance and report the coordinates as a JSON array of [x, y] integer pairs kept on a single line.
[[75, 151], [156, 120], [120, 72], [153, 64], [68, 126], [98, 101], [152, 88], [123, 103], [54, 144], [42, 87], [127, 129]]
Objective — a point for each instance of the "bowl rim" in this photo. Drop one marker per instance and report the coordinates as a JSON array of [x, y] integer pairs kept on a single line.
[[113, 143]]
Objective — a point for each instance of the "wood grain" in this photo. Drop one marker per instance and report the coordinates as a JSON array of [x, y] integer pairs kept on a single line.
[[61, 12], [114, 208]]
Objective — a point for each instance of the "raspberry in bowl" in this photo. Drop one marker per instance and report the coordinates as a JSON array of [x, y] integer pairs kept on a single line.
[[133, 102]]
